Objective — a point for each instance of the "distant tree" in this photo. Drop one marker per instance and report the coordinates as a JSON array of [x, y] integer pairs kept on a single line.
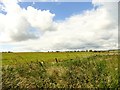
[[57, 51], [99, 51], [90, 50], [82, 51], [95, 51], [9, 51], [75, 51]]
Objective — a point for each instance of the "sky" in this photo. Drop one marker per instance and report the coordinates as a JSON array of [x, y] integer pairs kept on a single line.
[[61, 10], [51, 26]]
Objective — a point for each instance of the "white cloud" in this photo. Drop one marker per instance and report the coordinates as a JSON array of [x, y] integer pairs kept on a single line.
[[93, 29], [43, 20], [18, 23]]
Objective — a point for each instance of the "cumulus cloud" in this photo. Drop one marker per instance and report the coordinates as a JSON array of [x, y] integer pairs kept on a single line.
[[91, 30], [36, 29], [43, 20], [23, 24]]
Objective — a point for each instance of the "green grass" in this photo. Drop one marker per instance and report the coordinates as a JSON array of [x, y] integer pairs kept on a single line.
[[72, 70], [12, 58]]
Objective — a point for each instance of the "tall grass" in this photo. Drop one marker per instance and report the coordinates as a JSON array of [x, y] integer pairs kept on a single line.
[[97, 71]]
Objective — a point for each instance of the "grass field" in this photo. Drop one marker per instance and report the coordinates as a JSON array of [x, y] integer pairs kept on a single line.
[[12, 58], [60, 70]]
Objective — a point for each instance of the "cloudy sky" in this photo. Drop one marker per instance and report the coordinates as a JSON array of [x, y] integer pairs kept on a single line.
[[43, 26]]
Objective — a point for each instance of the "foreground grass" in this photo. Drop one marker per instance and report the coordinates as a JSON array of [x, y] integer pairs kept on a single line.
[[94, 71]]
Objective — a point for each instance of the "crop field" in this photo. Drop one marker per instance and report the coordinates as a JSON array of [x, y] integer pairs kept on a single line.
[[34, 70]]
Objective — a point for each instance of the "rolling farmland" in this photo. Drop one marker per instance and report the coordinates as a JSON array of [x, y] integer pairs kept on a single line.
[[30, 70]]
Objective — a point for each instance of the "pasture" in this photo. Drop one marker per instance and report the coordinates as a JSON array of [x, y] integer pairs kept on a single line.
[[23, 57], [31, 70]]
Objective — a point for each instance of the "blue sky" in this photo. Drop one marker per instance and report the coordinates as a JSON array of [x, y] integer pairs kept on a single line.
[[62, 10]]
